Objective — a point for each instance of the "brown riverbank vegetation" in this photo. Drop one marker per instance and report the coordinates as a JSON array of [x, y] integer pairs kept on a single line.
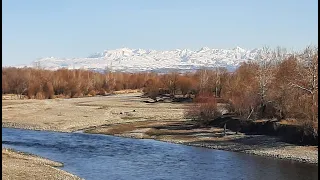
[[275, 85]]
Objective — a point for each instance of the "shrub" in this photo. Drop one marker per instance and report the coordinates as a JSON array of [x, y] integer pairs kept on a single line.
[[92, 93], [40, 95], [204, 109]]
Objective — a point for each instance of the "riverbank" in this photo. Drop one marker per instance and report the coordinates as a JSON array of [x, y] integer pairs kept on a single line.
[[127, 115], [18, 165], [187, 133]]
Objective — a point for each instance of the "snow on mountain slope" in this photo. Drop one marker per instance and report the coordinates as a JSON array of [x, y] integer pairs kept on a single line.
[[133, 60]]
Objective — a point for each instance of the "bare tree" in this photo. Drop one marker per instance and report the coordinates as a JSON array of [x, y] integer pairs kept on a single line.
[[171, 82], [216, 79], [185, 85], [203, 80], [265, 61], [307, 76]]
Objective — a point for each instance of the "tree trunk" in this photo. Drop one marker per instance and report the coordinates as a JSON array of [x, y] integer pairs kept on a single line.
[[314, 104], [250, 113]]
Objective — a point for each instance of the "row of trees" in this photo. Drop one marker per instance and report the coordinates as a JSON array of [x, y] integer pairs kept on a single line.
[[46, 84], [273, 85]]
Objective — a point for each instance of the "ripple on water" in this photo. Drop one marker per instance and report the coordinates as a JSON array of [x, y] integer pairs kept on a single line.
[[93, 156]]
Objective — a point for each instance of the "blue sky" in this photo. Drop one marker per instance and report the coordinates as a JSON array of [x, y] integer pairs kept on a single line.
[[77, 28]]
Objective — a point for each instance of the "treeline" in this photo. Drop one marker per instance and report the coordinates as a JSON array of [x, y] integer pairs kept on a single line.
[[46, 84], [273, 85]]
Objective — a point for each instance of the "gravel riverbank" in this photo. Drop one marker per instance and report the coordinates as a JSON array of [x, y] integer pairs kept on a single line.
[[21, 166], [261, 145], [305, 154]]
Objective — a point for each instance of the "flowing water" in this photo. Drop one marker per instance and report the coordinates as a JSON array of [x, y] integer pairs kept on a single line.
[[102, 157]]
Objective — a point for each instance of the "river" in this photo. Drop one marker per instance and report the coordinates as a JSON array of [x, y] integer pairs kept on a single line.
[[98, 157]]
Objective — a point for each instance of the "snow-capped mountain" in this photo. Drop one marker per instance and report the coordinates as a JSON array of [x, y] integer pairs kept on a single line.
[[133, 60]]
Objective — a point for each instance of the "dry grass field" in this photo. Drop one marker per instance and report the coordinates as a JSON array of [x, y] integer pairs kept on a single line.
[[74, 114]]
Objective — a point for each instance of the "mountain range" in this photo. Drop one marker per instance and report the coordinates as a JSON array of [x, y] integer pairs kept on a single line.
[[138, 60]]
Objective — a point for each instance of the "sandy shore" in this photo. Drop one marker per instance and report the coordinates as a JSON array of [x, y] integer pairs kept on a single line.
[[127, 115], [21, 166]]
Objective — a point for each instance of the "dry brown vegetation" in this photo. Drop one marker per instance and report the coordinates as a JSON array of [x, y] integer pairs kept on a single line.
[[45, 84], [272, 86], [204, 109]]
